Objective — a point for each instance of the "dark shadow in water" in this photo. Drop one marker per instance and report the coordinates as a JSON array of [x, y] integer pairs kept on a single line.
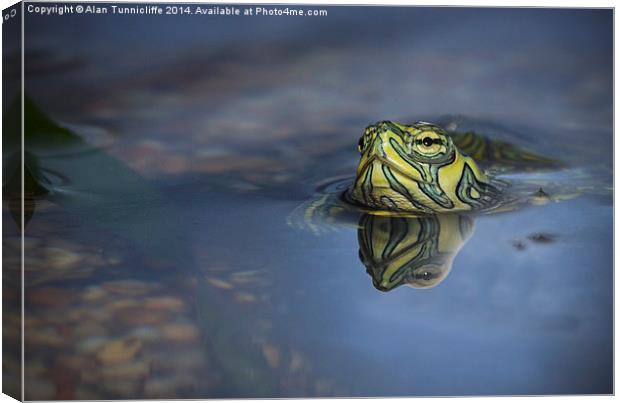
[[416, 251], [62, 168], [35, 186]]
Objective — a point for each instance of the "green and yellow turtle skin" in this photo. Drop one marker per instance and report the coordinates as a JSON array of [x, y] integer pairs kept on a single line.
[[418, 168], [415, 251]]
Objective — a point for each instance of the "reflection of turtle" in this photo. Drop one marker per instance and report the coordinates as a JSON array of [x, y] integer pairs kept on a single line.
[[417, 251], [412, 186]]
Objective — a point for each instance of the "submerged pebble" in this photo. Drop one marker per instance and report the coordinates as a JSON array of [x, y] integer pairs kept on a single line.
[[272, 355], [138, 316], [93, 294], [128, 287], [219, 283], [114, 260], [119, 351], [244, 297], [58, 258], [246, 277], [180, 332], [120, 304], [164, 303], [88, 313], [297, 361]]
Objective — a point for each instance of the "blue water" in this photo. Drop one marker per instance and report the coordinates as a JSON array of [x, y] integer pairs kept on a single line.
[[504, 321]]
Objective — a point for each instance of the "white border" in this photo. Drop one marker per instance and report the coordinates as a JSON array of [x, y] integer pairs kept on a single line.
[[475, 3]]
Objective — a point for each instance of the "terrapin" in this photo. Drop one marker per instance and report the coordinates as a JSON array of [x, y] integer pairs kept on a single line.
[[416, 187]]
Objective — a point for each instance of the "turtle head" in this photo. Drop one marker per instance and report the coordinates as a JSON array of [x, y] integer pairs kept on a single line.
[[411, 168]]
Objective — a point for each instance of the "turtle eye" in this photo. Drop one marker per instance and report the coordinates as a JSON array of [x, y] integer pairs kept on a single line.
[[360, 144], [428, 141], [431, 145]]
